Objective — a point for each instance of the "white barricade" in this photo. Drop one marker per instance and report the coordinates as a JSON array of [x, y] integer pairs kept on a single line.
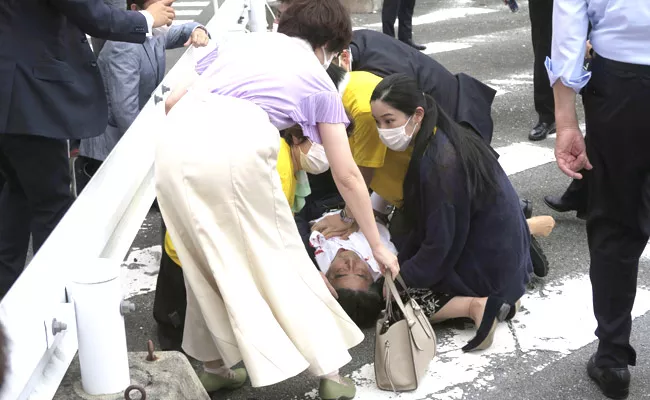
[[37, 313]]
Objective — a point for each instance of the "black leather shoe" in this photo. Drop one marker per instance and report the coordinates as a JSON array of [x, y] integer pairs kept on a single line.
[[613, 382], [541, 131], [526, 207], [555, 203], [416, 46], [537, 256]]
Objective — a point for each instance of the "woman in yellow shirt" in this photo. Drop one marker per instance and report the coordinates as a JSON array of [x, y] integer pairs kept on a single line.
[[296, 156]]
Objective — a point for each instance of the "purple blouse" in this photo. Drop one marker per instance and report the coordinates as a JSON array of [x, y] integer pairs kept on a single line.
[[278, 73]]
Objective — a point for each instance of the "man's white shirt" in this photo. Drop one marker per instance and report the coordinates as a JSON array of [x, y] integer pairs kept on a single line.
[[326, 249]]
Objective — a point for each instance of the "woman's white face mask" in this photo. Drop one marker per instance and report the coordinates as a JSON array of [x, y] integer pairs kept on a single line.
[[327, 58], [315, 161], [397, 139]]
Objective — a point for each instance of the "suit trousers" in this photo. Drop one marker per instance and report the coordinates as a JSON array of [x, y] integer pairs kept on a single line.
[[394, 9], [541, 27], [616, 106], [34, 198]]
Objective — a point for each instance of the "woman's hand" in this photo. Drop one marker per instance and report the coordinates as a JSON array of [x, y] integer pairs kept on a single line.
[[332, 226], [386, 261]]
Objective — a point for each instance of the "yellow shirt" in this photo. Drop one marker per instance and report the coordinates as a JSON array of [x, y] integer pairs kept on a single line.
[[367, 148], [287, 177]]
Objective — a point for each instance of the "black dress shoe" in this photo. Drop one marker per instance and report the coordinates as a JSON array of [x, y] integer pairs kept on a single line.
[[526, 207], [537, 256], [613, 382], [541, 131], [556, 203], [416, 46]]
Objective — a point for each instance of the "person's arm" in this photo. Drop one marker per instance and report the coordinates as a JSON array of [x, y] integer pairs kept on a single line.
[[566, 75], [353, 189], [179, 35], [122, 77], [99, 20], [445, 215]]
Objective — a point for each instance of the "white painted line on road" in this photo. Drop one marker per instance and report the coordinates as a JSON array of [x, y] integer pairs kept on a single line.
[[443, 15], [556, 320], [188, 12], [181, 4], [521, 156], [140, 271], [181, 21], [441, 47]]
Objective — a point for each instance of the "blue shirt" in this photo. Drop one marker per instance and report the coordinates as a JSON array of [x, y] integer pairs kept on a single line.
[[621, 32]]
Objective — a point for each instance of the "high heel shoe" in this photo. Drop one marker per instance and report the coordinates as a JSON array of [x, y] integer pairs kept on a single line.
[[332, 390], [513, 310], [496, 310]]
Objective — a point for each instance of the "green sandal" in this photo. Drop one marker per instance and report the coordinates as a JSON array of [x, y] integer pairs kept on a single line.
[[331, 390], [213, 382]]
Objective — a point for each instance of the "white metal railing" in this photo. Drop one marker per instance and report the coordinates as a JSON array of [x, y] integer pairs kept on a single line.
[[101, 224]]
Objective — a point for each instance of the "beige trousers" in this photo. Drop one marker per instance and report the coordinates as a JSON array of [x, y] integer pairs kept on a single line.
[[253, 294]]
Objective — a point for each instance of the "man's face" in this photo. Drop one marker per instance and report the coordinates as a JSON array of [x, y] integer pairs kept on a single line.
[[349, 271]]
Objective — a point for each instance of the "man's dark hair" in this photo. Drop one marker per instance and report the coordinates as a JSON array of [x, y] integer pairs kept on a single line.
[[139, 3], [319, 22], [363, 307], [336, 74]]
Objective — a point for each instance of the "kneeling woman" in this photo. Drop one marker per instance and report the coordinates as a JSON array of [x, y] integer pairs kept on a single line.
[[461, 234]]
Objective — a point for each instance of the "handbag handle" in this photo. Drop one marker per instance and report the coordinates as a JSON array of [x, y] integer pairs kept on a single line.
[[392, 291]]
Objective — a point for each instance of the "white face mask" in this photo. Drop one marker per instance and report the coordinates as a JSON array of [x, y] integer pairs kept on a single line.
[[327, 59], [396, 139], [160, 31], [315, 161], [275, 27]]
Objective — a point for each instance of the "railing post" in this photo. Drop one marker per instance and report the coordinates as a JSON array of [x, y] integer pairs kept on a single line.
[[103, 357]]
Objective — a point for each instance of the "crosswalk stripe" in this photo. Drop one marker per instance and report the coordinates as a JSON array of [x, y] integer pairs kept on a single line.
[[553, 322], [181, 21], [182, 4], [443, 15], [188, 12]]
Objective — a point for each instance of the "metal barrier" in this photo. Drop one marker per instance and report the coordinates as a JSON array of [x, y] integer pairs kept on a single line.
[[37, 313]]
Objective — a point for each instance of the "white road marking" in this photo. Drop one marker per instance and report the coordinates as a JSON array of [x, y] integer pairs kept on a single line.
[[188, 12], [443, 15], [556, 320], [181, 4], [441, 47], [140, 271], [521, 156], [470, 41], [181, 21]]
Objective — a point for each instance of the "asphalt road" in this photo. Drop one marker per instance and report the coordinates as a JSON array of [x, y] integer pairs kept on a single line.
[[542, 353]]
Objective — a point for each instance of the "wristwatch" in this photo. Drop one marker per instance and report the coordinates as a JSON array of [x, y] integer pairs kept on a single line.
[[345, 218]]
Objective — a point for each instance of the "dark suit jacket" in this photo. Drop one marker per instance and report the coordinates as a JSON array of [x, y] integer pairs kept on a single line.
[[49, 81], [464, 98]]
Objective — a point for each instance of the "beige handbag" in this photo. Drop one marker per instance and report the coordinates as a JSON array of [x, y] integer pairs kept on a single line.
[[405, 343]]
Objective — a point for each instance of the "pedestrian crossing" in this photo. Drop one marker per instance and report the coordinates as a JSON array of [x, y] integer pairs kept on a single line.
[[556, 320], [188, 11]]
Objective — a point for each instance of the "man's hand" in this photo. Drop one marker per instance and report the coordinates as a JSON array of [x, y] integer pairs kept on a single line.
[[588, 54], [571, 152], [199, 38], [332, 226], [162, 13]]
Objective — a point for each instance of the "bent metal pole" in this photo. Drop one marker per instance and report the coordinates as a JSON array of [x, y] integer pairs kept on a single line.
[[97, 297]]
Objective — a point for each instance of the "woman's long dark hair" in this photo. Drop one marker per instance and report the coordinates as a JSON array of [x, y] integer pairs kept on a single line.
[[476, 158]]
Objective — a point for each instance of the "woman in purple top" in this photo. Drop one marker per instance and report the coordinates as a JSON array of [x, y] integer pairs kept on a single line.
[[253, 293]]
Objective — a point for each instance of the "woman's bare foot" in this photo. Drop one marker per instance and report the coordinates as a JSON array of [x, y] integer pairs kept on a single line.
[[541, 225]]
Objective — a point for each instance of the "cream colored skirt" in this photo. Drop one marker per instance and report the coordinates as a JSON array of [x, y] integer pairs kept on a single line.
[[253, 294]]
